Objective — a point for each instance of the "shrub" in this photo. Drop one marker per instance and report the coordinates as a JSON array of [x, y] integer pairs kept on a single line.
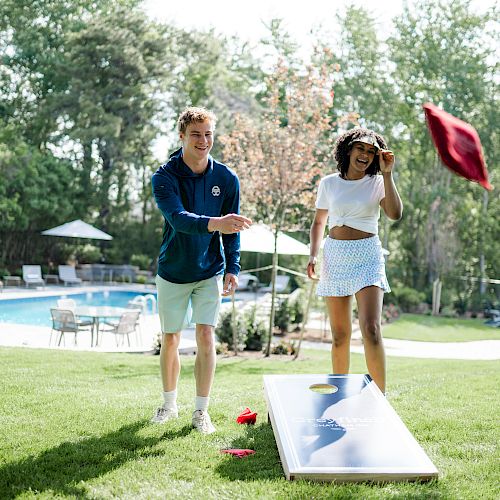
[[282, 316], [140, 260], [142, 280], [297, 309], [221, 348], [407, 298], [449, 312], [224, 330], [390, 312], [256, 330], [157, 344], [283, 347], [88, 254]]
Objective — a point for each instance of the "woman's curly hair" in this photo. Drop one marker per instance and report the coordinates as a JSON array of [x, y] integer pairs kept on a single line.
[[343, 146]]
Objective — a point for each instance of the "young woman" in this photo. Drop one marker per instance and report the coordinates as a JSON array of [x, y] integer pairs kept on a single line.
[[353, 263]]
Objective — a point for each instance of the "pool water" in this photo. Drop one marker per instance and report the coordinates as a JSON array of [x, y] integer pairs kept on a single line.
[[36, 310]]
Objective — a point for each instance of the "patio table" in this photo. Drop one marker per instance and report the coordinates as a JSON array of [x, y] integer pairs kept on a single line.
[[97, 313], [12, 280], [54, 278]]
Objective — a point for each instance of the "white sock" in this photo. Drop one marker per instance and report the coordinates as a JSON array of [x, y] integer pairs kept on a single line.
[[201, 403], [170, 399]]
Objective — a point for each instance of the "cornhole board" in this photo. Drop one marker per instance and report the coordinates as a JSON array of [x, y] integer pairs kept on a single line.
[[341, 428]]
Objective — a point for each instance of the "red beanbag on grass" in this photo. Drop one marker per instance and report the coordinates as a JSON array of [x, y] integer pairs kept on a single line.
[[247, 417], [458, 145], [238, 452]]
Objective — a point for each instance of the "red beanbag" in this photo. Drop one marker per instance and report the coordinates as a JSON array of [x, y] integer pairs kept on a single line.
[[247, 417], [458, 145], [238, 453]]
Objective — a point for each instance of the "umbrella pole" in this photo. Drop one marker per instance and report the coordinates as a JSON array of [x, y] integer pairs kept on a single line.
[[234, 325], [306, 318]]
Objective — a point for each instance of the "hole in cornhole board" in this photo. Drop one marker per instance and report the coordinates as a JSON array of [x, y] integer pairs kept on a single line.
[[324, 388]]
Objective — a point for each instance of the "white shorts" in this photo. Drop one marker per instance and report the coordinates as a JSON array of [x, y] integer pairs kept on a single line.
[[180, 304], [350, 265]]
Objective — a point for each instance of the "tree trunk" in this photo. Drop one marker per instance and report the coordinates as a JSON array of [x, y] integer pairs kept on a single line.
[[273, 294]]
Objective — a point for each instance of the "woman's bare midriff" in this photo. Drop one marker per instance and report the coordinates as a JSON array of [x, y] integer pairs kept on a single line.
[[348, 233]]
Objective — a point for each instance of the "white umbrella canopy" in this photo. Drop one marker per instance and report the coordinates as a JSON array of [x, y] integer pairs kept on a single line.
[[260, 238], [78, 229]]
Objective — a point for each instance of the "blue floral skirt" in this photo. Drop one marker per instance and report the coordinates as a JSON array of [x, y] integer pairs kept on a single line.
[[350, 265]]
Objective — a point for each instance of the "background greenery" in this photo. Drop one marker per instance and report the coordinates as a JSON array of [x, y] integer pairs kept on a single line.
[[87, 86]]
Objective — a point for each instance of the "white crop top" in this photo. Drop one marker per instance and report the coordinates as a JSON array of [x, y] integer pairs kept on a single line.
[[352, 203]]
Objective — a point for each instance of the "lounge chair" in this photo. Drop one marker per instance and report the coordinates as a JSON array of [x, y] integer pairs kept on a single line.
[[247, 282], [282, 284], [32, 275], [67, 274]]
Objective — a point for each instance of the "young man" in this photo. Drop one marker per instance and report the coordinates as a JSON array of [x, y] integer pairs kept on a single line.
[[199, 199]]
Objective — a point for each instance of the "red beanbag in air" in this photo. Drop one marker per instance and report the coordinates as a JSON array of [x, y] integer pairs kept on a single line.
[[458, 145], [247, 417]]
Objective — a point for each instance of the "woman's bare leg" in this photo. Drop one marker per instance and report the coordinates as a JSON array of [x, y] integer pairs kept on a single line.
[[340, 315], [370, 300]]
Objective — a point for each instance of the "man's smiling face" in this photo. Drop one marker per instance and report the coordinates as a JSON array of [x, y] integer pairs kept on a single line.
[[197, 141]]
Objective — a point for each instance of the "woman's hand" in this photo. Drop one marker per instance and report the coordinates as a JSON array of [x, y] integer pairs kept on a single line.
[[311, 271], [386, 160]]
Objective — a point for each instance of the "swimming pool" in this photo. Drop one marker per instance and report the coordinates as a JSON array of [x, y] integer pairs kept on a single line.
[[36, 310]]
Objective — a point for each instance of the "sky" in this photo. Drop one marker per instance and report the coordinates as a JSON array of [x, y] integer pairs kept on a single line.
[[246, 19]]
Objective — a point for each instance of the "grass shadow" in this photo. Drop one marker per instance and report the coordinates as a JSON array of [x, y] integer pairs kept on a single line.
[[60, 470]]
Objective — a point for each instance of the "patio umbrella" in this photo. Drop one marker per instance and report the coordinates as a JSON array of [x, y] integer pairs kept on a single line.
[[78, 229], [260, 238]]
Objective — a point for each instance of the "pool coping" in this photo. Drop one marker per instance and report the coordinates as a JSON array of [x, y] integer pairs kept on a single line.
[[49, 291]]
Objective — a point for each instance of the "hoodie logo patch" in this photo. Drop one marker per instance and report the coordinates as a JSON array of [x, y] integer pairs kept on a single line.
[[216, 191]]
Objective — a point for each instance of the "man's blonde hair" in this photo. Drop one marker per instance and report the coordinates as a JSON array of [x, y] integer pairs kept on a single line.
[[193, 114]]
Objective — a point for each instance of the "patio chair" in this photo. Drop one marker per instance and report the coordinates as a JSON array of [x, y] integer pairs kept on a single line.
[[247, 282], [126, 325], [32, 275], [282, 284], [67, 274], [64, 321], [70, 305]]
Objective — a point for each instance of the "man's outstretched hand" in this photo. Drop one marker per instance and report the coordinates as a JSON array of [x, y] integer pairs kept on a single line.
[[229, 224]]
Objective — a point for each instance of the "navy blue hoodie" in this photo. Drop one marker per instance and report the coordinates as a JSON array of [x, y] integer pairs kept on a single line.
[[187, 200]]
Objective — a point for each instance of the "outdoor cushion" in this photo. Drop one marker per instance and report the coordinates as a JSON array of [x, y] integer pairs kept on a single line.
[[458, 145]]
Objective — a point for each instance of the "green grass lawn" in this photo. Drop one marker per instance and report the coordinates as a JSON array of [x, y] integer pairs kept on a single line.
[[76, 424], [436, 329]]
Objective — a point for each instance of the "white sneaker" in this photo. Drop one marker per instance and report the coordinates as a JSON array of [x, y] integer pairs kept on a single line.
[[202, 422], [163, 414]]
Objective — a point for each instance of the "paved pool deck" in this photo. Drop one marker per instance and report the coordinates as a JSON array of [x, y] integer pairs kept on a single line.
[[19, 335]]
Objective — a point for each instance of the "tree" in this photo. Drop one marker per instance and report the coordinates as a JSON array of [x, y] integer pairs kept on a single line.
[[441, 53], [36, 190], [280, 157]]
